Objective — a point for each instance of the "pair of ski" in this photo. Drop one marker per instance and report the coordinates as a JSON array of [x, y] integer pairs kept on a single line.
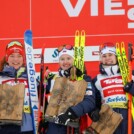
[[125, 64], [37, 99], [79, 45]]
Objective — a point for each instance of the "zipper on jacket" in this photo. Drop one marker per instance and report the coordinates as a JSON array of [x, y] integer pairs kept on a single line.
[[15, 76]]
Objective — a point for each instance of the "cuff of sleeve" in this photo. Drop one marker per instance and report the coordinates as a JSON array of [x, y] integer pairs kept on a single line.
[[71, 113]]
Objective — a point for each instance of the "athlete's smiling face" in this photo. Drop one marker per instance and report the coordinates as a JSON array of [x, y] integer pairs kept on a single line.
[[66, 61], [108, 59], [15, 60]]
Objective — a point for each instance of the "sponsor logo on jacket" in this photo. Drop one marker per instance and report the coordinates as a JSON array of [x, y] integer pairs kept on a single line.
[[116, 99], [111, 81]]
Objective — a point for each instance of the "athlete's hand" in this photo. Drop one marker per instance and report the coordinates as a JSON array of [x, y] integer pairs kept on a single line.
[[128, 86], [78, 72], [94, 115], [64, 118]]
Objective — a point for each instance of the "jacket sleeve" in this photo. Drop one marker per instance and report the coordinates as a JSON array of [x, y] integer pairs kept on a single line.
[[131, 90], [88, 103], [97, 94]]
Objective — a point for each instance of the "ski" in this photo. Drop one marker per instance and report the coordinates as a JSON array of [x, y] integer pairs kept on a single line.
[[76, 49], [76, 56], [41, 95], [32, 85], [124, 58], [129, 95], [125, 65], [82, 46]]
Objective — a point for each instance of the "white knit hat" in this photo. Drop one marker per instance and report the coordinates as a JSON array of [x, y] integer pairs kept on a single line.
[[66, 51], [107, 49]]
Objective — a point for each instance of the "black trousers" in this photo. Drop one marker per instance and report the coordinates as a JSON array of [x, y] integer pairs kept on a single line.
[[12, 129]]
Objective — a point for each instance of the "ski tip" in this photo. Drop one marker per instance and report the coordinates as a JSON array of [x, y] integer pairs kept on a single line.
[[77, 33], [28, 32], [28, 37], [83, 33]]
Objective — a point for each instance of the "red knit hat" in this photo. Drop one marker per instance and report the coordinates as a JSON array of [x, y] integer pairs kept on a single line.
[[14, 47]]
